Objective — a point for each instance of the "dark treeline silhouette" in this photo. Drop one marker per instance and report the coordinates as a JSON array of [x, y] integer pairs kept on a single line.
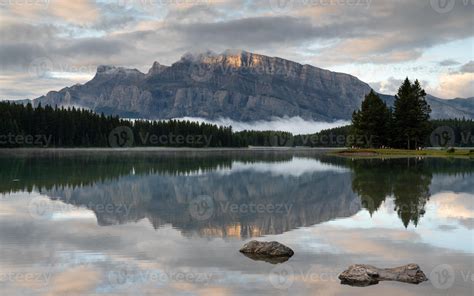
[[463, 130], [405, 126], [25, 126]]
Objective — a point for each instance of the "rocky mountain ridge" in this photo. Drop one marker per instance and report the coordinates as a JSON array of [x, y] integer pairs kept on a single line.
[[240, 85]]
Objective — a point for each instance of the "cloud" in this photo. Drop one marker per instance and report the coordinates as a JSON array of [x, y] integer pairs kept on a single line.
[[375, 50], [258, 32], [467, 68], [29, 87], [294, 125], [455, 85], [389, 86], [76, 281], [454, 206], [318, 32], [94, 47], [78, 12], [448, 62]]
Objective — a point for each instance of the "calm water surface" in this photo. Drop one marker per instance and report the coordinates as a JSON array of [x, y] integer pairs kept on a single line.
[[171, 223]]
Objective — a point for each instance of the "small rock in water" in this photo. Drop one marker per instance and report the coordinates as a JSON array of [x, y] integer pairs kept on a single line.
[[270, 249], [268, 259], [364, 275]]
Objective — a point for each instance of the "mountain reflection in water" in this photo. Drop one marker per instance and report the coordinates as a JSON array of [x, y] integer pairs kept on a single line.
[[234, 195]]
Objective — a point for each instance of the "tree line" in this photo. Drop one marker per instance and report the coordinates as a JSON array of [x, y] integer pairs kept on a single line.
[[25, 126], [406, 125]]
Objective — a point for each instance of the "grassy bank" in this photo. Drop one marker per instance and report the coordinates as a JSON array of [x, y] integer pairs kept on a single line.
[[404, 153]]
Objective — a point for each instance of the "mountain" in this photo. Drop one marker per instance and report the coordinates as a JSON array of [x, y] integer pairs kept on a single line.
[[165, 199], [444, 109], [238, 85]]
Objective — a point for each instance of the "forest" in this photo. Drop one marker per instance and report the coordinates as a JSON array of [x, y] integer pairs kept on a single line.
[[43, 127]]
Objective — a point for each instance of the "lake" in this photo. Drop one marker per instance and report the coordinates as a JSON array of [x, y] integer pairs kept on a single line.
[[171, 222]]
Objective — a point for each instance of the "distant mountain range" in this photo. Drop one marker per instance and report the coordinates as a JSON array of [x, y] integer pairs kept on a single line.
[[241, 86]]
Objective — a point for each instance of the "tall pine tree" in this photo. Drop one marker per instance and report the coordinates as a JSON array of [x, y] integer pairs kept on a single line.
[[411, 116], [372, 122]]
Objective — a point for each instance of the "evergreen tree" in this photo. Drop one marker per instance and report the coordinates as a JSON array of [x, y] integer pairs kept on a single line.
[[372, 122], [411, 116]]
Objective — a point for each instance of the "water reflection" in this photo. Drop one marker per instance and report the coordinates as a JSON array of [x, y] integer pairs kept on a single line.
[[173, 224], [407, 180], [230, 195]]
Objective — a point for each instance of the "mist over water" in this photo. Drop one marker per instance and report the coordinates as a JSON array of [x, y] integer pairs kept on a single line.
[[295, 125]]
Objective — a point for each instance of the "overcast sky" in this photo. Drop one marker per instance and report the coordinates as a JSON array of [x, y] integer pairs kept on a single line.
[[49, 44]]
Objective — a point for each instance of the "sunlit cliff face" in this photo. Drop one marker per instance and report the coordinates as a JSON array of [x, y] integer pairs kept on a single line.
[[232, 231], [231, 58]]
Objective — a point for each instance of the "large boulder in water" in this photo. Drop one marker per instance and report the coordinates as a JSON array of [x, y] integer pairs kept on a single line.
[[365, 275], [268, 249]]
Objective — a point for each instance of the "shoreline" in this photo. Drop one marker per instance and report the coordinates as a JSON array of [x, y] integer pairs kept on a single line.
[[139, 149], [330, 151], [154, 151], [402, 153]]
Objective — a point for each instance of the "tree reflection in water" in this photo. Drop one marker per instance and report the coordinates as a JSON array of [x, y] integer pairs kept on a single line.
[[160, 188]]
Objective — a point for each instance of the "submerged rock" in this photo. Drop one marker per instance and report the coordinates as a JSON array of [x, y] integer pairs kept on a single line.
[[364, 275], [266, 249], [268, 259]]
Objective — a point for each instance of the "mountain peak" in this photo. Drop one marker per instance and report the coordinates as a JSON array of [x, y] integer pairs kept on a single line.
[[156, 68], [233, 84], [235, 58]]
